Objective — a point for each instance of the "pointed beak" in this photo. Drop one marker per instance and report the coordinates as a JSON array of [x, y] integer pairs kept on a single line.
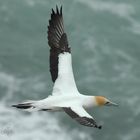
[[112, 104]]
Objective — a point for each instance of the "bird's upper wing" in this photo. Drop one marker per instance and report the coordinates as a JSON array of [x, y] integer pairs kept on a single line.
[[81, 116], [60, 56]]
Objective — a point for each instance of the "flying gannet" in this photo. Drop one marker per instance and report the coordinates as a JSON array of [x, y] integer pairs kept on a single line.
[[65, 95]]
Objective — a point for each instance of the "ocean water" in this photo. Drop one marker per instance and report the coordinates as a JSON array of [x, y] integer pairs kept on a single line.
[[105, 39]]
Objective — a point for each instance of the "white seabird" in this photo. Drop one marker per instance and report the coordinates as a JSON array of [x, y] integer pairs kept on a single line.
[[65, 95]]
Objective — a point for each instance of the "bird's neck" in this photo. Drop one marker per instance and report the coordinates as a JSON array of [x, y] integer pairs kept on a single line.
[[89, 101]]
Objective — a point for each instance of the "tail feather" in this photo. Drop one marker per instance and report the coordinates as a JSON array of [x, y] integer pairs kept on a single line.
[[26, 105]]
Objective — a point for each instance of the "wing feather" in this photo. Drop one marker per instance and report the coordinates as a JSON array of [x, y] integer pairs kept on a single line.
[[57, 40], [81, 116], [60, 56]]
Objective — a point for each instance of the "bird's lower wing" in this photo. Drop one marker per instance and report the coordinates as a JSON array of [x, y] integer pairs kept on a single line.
[[81, 116]]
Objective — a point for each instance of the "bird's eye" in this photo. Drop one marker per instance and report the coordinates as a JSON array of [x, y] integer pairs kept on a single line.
[[107, 102]]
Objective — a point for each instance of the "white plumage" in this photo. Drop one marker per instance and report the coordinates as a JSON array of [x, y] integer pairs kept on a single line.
[[65, 83]]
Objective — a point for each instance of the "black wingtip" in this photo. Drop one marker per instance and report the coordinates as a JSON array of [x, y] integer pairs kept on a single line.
[[61, 10], [57, 11], [53, 11], [100, 127]]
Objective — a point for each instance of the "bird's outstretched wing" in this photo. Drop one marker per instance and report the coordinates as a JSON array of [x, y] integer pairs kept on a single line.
[[60, 55], [81, 116]]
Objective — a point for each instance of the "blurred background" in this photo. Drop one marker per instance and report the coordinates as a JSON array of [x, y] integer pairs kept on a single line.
[[105, 39]]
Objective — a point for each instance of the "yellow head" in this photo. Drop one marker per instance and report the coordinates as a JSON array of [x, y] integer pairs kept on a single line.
[[101, 101]]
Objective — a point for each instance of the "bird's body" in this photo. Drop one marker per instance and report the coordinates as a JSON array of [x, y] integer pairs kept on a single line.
[[65, 95], [56, 103]]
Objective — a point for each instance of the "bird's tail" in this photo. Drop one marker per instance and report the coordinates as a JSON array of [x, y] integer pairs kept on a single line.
[[27, 106]]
